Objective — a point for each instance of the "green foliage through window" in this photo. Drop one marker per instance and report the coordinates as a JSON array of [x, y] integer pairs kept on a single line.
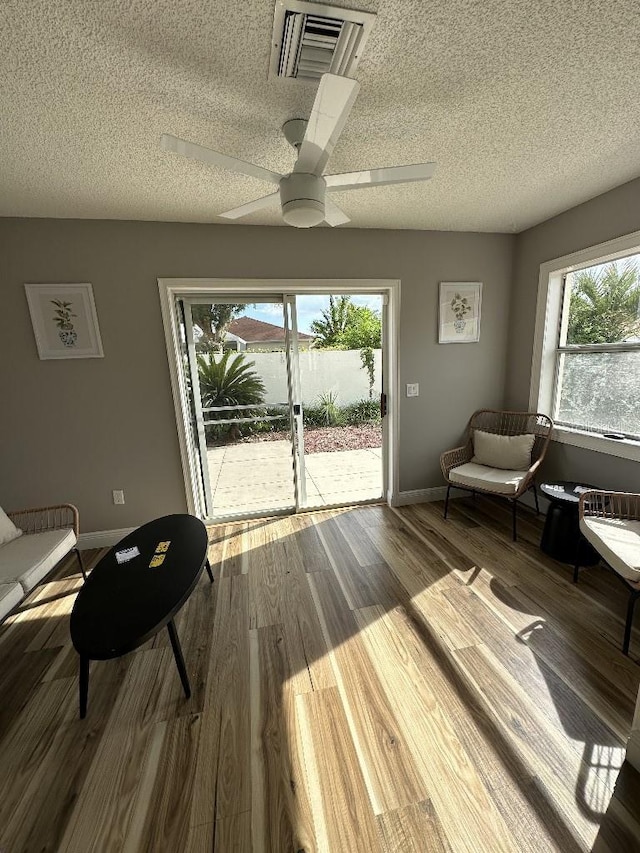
[[605, 304], [213, 322], [347, 326], [350, 327], [228, 382]]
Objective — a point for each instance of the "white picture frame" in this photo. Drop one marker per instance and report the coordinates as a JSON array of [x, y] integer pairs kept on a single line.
[[459, 312], [64, 319]]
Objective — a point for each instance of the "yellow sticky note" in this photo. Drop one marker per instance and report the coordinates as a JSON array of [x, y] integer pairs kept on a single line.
[[156, 560], [163, 547]]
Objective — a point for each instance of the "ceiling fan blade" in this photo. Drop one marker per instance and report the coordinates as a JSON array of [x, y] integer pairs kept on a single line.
[[334, 215], [251, 206], [380, 177], [214, 158], [331, 108]]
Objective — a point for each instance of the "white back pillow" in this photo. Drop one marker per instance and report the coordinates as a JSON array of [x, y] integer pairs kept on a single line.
[[8, 530], [511, 452]]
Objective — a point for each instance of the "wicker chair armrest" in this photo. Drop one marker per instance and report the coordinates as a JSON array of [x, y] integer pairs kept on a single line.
[[452, 458], [603, 504], [533, 470], [41, 519]]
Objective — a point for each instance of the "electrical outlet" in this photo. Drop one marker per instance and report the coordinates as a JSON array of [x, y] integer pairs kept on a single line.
[[118, 496], [413, 389]]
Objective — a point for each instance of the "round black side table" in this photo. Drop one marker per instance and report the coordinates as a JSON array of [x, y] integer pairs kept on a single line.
[[561, 537]]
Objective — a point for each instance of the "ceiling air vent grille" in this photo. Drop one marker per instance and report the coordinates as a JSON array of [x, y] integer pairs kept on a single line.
[[310, 40]]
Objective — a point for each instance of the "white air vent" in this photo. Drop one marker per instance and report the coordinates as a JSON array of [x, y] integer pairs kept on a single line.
[[310, 40]]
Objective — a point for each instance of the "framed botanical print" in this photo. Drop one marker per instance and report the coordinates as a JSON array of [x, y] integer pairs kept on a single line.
[[459, 315], [65, 323]]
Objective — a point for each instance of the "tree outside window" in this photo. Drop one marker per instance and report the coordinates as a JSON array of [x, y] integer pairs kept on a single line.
[[598, 377]]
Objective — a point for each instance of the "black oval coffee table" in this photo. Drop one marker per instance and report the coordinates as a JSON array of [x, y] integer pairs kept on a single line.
[[135, 590]]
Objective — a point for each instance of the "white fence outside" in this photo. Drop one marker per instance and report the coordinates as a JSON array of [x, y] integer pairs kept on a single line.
[[321, 371]]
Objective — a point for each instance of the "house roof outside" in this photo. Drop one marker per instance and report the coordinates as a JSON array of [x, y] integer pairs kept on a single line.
[[257, 331]]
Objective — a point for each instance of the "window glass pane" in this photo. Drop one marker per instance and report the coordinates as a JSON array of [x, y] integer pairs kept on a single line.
[[600, 391], [604, 306]]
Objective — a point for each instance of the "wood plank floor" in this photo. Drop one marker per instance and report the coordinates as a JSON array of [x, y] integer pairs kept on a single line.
[[365, 679]]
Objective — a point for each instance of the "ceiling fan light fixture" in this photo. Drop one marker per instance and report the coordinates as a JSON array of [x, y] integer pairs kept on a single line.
[[302, 198], [303, 213]]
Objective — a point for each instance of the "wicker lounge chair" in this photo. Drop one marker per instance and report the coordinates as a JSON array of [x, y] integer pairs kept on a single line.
[[462, 470], [611, 523]]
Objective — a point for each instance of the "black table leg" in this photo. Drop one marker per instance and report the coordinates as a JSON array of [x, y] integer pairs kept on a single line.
[[562, 539], [207, 566], [80, 563], [84, 685], [177, 653]]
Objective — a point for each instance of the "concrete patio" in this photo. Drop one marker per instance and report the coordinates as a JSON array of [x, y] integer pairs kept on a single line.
[[248, 478]]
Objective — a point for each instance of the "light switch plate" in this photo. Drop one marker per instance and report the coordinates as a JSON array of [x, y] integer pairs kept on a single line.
[[118, 496], [413, 389]]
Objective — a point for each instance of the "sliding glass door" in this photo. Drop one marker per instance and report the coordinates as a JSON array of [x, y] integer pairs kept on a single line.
[[242, 408], [342, 394], [281, 418]]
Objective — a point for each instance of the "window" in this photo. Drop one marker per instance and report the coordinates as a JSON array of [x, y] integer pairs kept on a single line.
[[586, 365], [597, 384]]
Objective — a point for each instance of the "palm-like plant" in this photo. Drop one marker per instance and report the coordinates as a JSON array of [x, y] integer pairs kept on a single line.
[[605, 305], [228, 382], [335, 320]]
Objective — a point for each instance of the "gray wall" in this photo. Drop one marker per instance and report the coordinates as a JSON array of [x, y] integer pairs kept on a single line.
[[75, 429], [602, 218]]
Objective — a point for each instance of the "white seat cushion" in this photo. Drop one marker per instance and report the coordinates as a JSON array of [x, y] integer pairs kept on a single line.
[[10, 595], [617, 540], [481, 477], [29, 558]]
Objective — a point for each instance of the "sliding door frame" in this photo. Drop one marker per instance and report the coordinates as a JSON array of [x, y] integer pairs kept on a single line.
[[171, 289]]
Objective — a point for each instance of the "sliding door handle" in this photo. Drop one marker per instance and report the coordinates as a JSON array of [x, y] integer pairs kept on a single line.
[[383, 405]]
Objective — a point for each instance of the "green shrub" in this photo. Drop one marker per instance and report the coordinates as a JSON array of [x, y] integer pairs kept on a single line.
[[362, 411], [228, 382], [312, 416], [326, 412], [282, 425]]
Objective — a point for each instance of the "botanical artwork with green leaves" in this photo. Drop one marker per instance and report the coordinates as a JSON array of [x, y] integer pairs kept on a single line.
[[65, 321], [459, 312], [63, 316], [460, 306]]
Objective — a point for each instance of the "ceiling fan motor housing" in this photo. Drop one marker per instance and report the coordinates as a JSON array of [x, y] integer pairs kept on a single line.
[[302, 199]]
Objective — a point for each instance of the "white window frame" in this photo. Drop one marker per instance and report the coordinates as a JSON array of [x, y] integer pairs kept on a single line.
[[545, 346], [389, 289]]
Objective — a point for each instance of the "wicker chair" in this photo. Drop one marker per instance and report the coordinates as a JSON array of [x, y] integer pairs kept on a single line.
[[514, 483], [611, 523], [45, 518]]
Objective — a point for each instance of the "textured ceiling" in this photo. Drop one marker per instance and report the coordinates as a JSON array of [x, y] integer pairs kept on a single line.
[[528, 107]]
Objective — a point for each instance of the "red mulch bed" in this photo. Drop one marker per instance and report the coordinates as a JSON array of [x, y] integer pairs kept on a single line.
[[327, 439]]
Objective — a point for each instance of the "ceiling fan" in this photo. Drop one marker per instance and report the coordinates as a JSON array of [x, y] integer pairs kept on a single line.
[[304, 193]]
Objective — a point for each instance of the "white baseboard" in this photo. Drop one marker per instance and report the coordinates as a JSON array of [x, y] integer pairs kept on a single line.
[[419, 496], [102, 538], [107, 538], [439, 493]]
